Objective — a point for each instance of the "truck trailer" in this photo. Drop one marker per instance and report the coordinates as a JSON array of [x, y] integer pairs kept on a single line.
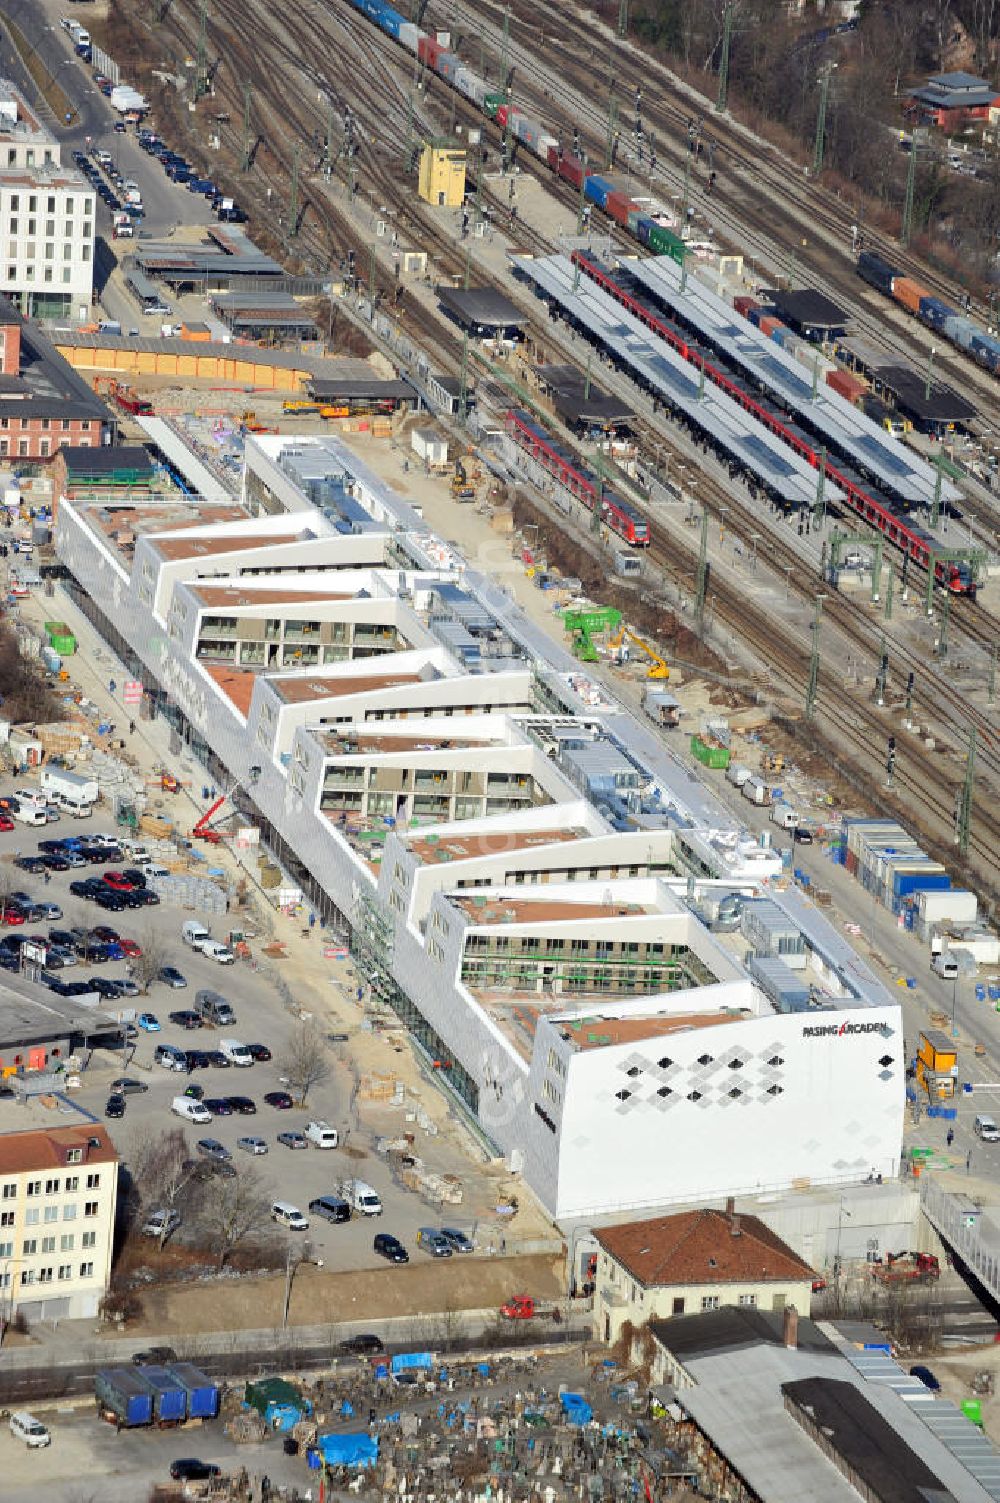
[[123, 1398]]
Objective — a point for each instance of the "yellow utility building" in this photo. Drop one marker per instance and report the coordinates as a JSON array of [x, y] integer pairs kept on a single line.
[[442, 173]]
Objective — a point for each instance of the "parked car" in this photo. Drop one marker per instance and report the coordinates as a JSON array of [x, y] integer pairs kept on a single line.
[[154, 1356], [926, 1377], [190, 1469], [364, 1345], [280, 1100], [195, 1092], [185, 1019], [255, 1146], [149, 1022], [457, 1240], [244, 1106], [293, 1140], [433, 1242], [115, 1106], [390, 1248], [161, 1223], [218, 1106], [171, 976], [129, 1086], [211, 1148], [261, 1054]]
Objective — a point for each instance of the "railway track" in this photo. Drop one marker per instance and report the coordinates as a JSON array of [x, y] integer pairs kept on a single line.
[[741, 212], [276, 70]]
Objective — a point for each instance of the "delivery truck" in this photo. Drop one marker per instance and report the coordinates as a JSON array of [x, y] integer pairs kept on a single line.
[[58, 782]]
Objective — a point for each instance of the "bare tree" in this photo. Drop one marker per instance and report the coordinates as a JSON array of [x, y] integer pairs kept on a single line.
[[234, 1208], [163, 1172], [147, 966], [304, 1063]]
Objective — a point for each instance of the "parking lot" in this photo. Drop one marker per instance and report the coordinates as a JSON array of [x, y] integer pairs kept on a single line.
[[296, 1175]]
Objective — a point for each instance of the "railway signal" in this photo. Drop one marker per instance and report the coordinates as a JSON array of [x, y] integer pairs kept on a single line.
[[890, 761]]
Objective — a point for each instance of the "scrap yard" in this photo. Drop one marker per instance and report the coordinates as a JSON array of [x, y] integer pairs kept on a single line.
[[499, 755]]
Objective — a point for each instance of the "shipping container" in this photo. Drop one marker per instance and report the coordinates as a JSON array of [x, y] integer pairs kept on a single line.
[[409, 35], [846, 385], [934, 312], [121, 1392], [643, 228], [960, 330], [428, 51], [665, 243], [471, 85], [168, 1393], [571, 169], [202, 1393], [503, 114], [493, 102], [544, 145], [597, 189], [778, 333], [876, 271], [634, 215], [986, 350], [710, 755], [743, 303], [619, 206], [909, 293], [769, 322], [448, 64]]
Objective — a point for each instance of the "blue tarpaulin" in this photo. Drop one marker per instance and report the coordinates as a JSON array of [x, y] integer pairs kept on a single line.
[[408, 1361], [576, 1409], [356, 1449]]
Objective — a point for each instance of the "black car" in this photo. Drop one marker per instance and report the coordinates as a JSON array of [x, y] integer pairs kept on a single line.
[[110, 902], [115, 1105], [134, 899], [155, 1356], [802, 836], [54, 862], [145, 898], [81, 888], [244, 1106], [364, 1343], [196, 1059], [185, 1019], [391, 1248], [190, 1469], [135, 876], [261, 1053], [33, 864], [218, 1060]]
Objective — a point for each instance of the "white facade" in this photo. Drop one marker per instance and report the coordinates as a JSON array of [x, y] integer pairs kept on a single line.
[[47, 218], [713, 1093]]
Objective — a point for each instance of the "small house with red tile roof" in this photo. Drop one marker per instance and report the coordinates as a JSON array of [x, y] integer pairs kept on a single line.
[[693, 1261]]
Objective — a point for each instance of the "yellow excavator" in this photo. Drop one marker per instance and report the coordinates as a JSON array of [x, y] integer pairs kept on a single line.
[[461, 488], [657, 665]]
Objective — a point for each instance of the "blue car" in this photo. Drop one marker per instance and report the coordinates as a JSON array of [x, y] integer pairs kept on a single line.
[[149, 1022]]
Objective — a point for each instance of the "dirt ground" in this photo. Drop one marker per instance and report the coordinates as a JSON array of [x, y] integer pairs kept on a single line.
[[319, 1295], [955, 1372]]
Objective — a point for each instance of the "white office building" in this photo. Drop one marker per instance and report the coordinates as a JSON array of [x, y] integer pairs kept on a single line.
[[596, 962], [47, 217]]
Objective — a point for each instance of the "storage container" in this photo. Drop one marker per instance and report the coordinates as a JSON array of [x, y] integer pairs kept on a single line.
[[846, 385], [448, 64], [710, 754], [617, 205], [934, 312], [121, 1392], [409, 35], [665, 243], [168, 1392], [768, 323], [909, 293], [61, 638], [202, 1393], [960, 330], [471, 85], [493, 102], [597, 190]]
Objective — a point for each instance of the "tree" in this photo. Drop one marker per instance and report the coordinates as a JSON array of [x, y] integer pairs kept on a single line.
[[147, 966], [304, 1063], [235, 1207], [163, 1172]]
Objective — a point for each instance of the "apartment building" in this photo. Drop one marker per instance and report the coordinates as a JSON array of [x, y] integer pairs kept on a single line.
[[58, 1196], [524, 871], [47, 216]]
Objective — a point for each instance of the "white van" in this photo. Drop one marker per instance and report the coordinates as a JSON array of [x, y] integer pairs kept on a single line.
[[945, 966], [737, 774], [287, 1215], [31, 798], [190, 1110], [27, 814], [194, 933], [28, 1429], [235, 1052], [220, 953], [784, 816], [322, 1135], [361, 1197], [984, 1127]]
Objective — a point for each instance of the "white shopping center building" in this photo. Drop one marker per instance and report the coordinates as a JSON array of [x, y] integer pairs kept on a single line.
[[592, 956]]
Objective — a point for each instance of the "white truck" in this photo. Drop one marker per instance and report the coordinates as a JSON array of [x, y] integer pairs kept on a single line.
[[361, 1197], [58, 783], [737, 774], [784, 816], [125, 99], [239, 1054], [756, 790], [322, 1135]]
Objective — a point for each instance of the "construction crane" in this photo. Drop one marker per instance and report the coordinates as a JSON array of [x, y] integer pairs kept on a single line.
[[657, 666], [205, 829]]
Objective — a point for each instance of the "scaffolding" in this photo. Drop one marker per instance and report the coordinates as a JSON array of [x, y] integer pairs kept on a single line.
[[372, 941]]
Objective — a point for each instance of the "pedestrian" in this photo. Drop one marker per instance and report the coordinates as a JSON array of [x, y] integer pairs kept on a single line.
[[112, 686], [131, 727], [46, 876], [968, 1161], [950, 1136]]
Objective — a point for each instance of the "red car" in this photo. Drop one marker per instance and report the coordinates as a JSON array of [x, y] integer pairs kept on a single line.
[[10, 914], [6, 823], [118, 881], [131, 948]]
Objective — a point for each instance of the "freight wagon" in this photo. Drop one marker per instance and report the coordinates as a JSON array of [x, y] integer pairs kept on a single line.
[[932, 311]]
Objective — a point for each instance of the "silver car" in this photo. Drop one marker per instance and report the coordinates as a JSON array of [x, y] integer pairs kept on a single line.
[[252, 1145]]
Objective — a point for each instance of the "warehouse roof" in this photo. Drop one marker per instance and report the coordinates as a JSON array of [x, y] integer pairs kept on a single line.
[[809, 309], [482, 306], [702, 1247], [944, 405], [84, 463]]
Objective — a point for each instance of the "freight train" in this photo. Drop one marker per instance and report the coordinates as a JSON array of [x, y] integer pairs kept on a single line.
[[617, 514], [869, 503], [525, 132], [930, 310]]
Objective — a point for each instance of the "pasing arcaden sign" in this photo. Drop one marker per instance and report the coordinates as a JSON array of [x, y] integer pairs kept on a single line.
[[837, 1030]]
